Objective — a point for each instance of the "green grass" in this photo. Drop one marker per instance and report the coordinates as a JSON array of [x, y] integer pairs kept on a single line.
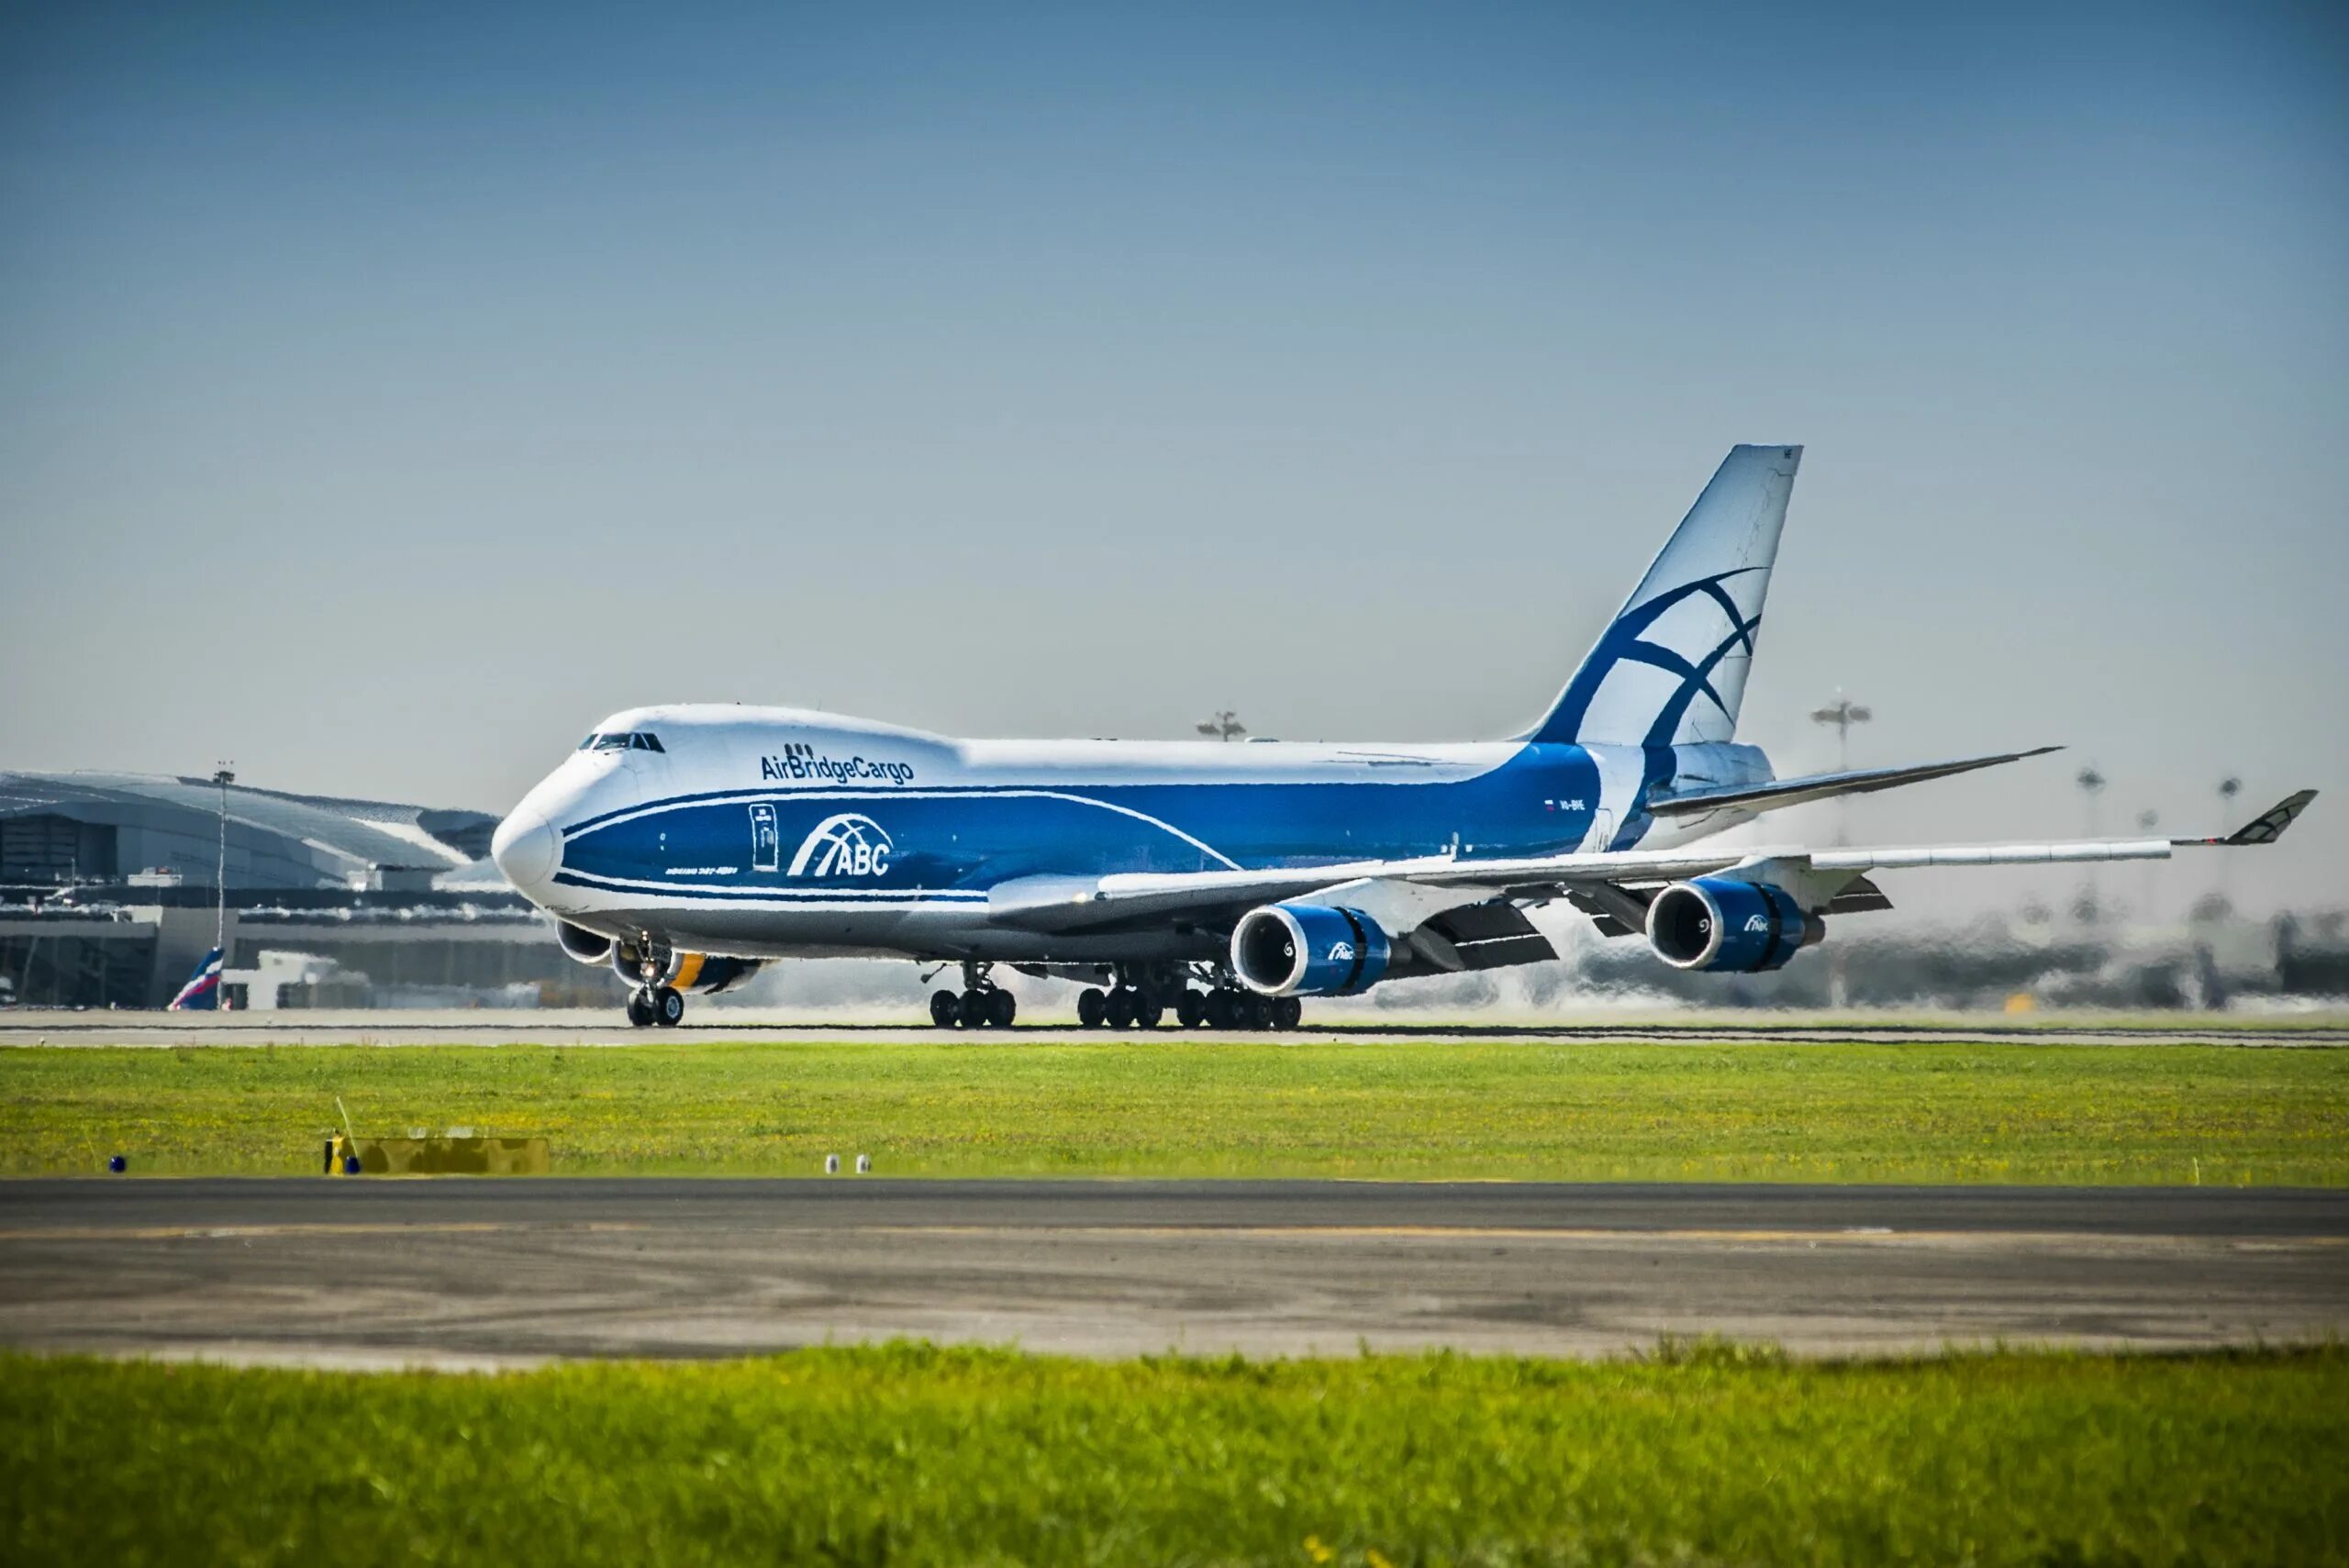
[[908, 1455], [1940, 1112]]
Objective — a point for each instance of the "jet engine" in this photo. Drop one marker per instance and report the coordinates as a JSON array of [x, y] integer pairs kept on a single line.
[[1722, 925], [582, 945], [1308, 949], [691, 972]]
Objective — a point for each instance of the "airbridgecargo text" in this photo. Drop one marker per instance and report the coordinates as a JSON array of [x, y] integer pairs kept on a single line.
[[833, 769]]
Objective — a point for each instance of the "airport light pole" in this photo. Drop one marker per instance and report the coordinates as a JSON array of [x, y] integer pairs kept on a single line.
[[2228, 787], [2146, 822], [223, 777], [1224, 726], [1843, 713], [2092, 784]]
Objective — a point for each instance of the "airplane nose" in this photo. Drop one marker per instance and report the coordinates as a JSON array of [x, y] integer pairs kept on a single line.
[[526, 849]]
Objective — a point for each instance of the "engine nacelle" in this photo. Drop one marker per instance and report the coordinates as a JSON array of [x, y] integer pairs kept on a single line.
[[1717, 924], [582, 945], [1308, 949], [692, 971]]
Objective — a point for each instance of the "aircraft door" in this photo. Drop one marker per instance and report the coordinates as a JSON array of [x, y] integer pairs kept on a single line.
[[766, 847]]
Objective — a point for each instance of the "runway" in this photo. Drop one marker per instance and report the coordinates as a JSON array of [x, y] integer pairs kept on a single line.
[[578, 1029], [467, 1272]]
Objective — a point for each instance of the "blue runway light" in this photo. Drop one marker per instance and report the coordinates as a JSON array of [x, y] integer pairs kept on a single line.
[[351, 1164], [118, 1164]]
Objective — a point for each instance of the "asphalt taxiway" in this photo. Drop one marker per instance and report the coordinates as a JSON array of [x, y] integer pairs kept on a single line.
[[473, 1271]]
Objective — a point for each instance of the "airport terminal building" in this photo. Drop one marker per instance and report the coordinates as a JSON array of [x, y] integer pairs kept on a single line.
[[109, 895]]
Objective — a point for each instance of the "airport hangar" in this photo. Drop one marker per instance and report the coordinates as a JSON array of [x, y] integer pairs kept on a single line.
[[109, 898]]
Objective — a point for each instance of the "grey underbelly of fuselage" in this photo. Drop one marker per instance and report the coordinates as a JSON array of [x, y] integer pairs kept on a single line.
[[908, 934]]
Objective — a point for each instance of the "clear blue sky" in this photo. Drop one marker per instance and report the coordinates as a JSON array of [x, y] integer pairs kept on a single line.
[[387, 394]]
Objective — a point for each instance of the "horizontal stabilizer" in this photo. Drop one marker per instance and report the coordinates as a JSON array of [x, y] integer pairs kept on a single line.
[[1779, 793]]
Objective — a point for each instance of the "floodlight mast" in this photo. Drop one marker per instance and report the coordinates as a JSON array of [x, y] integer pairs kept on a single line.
[[1843, 713], [1224, 726], [2092, 782], [2228, 787], [222, 776]]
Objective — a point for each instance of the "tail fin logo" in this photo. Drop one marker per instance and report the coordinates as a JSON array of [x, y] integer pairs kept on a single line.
[[1670, 669], [1689, 672], [202, 991], [845, 845]]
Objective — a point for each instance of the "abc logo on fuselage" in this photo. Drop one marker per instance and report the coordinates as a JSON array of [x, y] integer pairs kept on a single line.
[[845, 845]]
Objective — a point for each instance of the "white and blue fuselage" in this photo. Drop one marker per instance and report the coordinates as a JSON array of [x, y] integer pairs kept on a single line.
[[775, 832]]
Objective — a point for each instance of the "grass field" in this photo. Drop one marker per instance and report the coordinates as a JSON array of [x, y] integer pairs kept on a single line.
[[910, 1455], [1941, 1112]]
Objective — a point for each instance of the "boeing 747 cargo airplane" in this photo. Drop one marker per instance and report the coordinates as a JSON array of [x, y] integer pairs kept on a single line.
[[687, 845]]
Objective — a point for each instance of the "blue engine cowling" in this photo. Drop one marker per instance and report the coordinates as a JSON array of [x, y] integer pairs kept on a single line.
[[1308, 949], [1717, 924]]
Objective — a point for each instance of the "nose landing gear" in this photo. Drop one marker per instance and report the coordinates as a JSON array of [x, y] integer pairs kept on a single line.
[[650, 1005]]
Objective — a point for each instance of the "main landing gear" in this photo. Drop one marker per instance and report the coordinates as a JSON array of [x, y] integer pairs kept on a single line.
[[1236, 1007], [1140, 999], [983, 1005], [650, 1005], [1121, 1007]]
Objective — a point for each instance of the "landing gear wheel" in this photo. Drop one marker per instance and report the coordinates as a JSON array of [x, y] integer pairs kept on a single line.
[[1120, 1009], [1190, 1009], [668, 1007], [1001, 1009], [1148, 1010], [1092, 1007], [1223, 1009], [975, 1010], [945, 1009], [640, 1007], [1255, 1011], [1288, 1012]]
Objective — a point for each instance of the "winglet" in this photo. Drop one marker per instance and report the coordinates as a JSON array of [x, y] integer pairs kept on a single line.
[[2265, 827]]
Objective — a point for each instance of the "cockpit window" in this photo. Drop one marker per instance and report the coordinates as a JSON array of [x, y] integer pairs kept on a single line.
[[645, 742], [620, 740]]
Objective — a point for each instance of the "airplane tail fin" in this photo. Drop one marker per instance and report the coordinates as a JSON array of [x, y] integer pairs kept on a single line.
[[1670, 669], [202, 991]]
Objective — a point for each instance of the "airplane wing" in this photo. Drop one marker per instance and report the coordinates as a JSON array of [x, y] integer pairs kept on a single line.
[[1402, 893], [1779, 793]]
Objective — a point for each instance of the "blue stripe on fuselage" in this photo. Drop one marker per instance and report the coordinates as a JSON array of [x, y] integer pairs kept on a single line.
[[1539, 801]]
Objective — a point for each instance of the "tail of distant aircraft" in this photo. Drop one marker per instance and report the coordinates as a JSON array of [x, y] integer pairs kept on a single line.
[[202, 991], [1671, 668]]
